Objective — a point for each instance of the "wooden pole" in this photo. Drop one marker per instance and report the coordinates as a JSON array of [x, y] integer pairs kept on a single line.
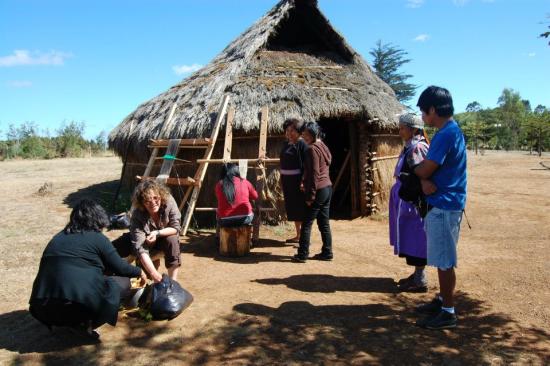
[[199, 176], [260, 170], [250, 161], [341, 172], [354, 182], [384, 157], [228, 134], [123, 167]]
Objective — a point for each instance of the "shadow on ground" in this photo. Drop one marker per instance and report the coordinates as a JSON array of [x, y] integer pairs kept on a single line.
[[104, 194], [205, 245], [330, 284], [21, 333], [297, 332]]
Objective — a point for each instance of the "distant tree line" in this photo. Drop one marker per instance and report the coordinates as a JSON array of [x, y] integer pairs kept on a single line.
[[512, 125], [26, 142]]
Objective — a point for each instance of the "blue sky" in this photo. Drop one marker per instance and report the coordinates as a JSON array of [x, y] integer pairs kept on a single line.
[[96, 61]]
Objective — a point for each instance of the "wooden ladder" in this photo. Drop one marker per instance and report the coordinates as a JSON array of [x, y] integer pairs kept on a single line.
[[172, 147], [201, 171], [194, 183], [260, 170]]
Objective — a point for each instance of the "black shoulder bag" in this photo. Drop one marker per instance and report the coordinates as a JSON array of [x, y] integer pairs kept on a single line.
[[411, 189]]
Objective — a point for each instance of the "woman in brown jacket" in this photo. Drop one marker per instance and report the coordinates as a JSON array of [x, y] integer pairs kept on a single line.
[[154, 226], [318, 191]]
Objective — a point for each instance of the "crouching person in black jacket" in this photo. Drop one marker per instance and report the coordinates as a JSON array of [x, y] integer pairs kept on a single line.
[[70, 288]]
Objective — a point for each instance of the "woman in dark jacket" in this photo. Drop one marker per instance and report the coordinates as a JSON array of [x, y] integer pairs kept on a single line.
[[292, 158], [70, 288], [318, 191]]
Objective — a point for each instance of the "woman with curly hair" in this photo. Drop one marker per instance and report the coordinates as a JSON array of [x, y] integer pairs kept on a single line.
[[155, 225], [70, 288]]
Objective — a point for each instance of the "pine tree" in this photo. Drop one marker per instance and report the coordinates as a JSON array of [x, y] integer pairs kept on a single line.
[[387, 60]]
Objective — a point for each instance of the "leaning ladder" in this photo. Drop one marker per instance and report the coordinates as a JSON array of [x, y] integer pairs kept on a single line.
[[172, 147]]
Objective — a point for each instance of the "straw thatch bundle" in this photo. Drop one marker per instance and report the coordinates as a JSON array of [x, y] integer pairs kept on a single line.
[[291, 60]]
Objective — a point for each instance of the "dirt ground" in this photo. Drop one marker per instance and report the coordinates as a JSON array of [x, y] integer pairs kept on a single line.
[[264, 309]]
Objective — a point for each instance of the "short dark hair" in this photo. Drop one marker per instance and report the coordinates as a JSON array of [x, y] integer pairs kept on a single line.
[[437, 97], [294, 122], [314, 129], [87, 215]]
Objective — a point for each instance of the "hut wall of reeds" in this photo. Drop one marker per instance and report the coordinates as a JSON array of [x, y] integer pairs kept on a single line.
[[294, 62]]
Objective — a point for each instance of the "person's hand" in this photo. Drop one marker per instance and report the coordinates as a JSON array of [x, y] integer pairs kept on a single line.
[[428, 187], [302, 187], [309, 203], [152, 238], [143, 278], [156, 277]]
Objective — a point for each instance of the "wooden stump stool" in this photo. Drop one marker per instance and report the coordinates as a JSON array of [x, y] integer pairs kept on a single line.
[[235, 241]]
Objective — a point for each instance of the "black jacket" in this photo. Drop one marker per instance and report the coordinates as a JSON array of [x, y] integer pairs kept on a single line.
[[72, 267]]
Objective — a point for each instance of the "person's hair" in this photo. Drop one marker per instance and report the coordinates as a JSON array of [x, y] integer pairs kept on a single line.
[[437, 97], [229, 171], [313, 129], [87, 215], [296, 124], [142, 191]]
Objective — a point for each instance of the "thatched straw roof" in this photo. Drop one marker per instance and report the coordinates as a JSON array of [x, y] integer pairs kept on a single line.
[[291, 60]]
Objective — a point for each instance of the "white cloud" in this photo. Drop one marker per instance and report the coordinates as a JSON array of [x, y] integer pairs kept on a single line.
[[415, 3], [19, 83], [185, 69], [421, 38], [531, 54], [464, 2], [27, 58]]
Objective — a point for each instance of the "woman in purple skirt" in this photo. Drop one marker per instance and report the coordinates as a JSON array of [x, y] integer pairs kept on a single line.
[[407, 235]]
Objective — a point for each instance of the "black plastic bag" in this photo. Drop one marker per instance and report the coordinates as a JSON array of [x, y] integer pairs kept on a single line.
[[120, 221], [165, 300]]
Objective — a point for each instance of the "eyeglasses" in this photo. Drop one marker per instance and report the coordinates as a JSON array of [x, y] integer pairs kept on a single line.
[[151, 200]]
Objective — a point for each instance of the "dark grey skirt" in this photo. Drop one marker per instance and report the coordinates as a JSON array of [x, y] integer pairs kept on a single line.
[[295, 202]]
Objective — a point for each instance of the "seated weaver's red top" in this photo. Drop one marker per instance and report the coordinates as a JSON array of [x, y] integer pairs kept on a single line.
[[244, 192]]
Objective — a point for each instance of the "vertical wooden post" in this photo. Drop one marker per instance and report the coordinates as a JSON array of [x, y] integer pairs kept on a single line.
[[260, 172], [201, 171], [262, 151], [228, 134], [352, 128]]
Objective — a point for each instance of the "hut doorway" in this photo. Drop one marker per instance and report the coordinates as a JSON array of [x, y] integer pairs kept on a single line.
[[340, 138]]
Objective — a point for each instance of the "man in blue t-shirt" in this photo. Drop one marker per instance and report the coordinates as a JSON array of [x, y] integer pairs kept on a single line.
[[443, 177]]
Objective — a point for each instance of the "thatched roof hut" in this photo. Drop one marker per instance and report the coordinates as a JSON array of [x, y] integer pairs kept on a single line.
[[291, 60]]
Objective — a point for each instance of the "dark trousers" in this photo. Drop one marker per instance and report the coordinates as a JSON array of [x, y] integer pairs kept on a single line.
[[236, 221], [61, 313], [320, 210], [169, 245]]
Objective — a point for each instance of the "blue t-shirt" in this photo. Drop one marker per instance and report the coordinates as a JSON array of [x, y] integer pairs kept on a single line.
[[448, 150]]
